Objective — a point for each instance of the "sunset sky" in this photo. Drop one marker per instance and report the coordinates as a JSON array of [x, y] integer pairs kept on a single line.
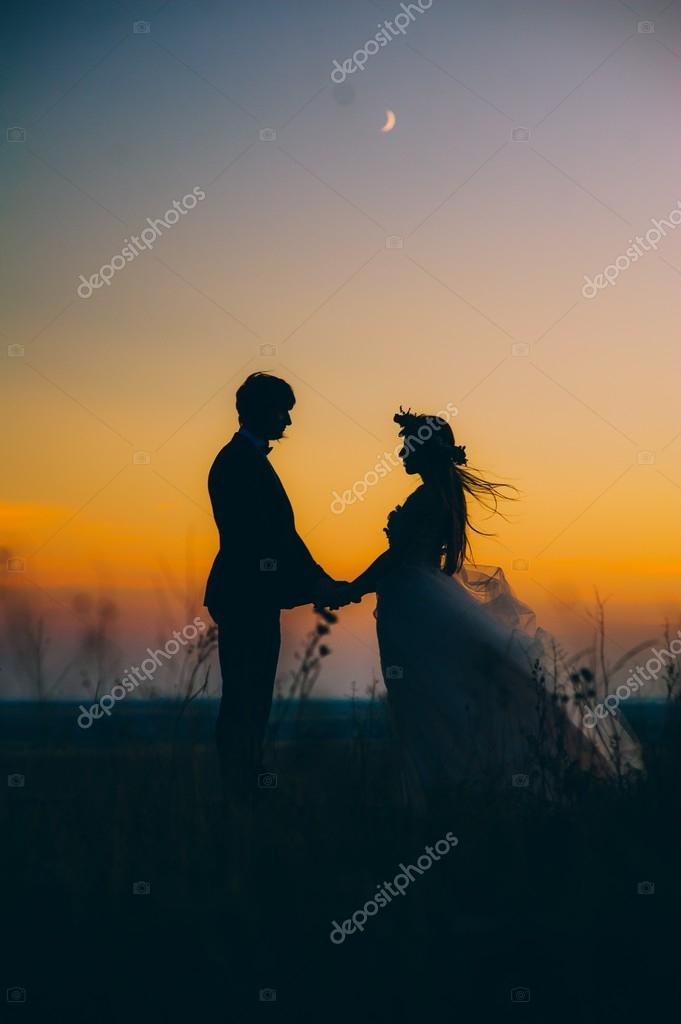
[[441, 262]]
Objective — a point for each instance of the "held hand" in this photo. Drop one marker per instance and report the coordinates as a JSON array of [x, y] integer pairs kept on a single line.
[[344, 594], [327, 590]]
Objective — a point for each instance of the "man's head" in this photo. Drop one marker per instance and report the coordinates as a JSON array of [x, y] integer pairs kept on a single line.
[[263, 403]]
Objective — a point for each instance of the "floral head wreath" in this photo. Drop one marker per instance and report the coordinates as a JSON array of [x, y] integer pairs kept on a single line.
[[411, 424]]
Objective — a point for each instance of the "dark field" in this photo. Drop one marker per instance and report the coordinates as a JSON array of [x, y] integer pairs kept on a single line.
[[541, 895]]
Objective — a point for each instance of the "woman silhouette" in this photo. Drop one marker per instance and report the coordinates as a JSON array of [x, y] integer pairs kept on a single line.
[[474, 687]]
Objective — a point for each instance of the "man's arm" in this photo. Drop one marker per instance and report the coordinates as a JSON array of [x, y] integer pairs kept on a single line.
[[310, 583]]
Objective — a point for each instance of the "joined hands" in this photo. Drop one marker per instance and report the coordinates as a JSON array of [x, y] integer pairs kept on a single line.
[[336, 594]]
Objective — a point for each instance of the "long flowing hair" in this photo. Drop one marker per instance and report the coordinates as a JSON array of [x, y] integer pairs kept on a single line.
[[445, 465]]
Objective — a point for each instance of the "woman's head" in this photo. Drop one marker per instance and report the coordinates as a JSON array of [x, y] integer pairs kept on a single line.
[[428, 444], [430, 450]]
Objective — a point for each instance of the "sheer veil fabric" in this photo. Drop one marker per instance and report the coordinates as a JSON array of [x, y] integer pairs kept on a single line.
[[477, 692]]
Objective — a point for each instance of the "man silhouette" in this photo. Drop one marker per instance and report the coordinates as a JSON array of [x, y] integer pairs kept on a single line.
[[262, 566]]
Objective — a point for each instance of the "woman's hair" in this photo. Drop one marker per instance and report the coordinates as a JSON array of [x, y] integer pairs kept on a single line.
[[446, 465]]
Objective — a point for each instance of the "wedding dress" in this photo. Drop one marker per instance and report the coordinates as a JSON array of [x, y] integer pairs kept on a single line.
[[476, 691]]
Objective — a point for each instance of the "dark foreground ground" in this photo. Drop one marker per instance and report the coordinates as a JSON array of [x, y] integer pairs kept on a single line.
[[536, 896]]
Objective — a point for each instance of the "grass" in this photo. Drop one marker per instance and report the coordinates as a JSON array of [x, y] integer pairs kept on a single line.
[[538, 893]]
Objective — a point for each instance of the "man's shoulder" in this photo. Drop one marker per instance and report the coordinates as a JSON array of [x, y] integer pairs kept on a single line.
[[235, 452], [238, 461]]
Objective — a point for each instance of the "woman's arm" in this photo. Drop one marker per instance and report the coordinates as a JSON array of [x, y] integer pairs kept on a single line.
[[367, 582], [402, 525]]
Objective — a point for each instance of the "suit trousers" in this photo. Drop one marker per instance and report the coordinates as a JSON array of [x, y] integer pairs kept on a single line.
[[248, 649]]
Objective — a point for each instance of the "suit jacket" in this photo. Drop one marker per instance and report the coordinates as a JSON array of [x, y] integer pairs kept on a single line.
[[262, 560]]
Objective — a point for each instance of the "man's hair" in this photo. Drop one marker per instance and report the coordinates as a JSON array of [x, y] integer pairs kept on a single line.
[[262, 391]]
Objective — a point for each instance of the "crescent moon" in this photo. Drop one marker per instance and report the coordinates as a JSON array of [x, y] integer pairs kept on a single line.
[[389, 122]]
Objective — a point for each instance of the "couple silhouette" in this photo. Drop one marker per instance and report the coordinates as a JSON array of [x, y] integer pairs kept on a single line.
[[473, 688]]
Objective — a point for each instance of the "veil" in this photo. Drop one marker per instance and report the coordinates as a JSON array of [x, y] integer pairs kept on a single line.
[[612, 737]]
